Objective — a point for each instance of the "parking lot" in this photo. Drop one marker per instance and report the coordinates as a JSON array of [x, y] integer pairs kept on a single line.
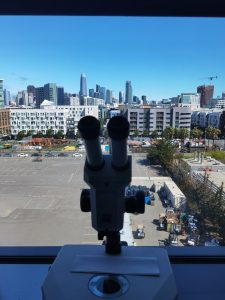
[[39, 202]]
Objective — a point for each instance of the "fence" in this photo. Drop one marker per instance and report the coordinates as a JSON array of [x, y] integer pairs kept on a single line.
[[212, 186]]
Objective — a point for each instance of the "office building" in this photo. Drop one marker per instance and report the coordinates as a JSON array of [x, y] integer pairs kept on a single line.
[[60, 96], [4, 121], [135, 100], [49, 117], [108, 97], [50, 92], [102, 92], [1, 93], [121, 97], [206, 92], [144, 99], [74, 100], [98, 88], [31, 89], [91, 92], [39, 96], [128, 93], [7, 97], [191, 100], [83, 85]]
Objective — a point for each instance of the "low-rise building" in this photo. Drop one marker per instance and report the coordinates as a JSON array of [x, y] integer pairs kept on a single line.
[[49, 117], [4, 121]]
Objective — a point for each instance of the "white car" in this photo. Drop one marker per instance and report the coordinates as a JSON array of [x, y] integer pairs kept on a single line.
[[77, 155], [22, 155]]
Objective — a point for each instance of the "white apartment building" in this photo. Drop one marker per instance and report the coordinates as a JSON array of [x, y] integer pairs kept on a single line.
[[49, 117], [220, 104]]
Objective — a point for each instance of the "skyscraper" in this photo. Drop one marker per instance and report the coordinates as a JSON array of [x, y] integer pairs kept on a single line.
[[50, 92], [39, 94], [144, 99], [91, 93], [31, 89], [102, 92], [1, 94], [206, 92], [120, 97], [83, 85], [7, 97], [129, 94], [60, 96], [98, 88], [108, 97]]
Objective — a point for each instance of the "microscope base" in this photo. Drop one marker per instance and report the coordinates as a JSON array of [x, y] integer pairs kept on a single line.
[[79, 272]]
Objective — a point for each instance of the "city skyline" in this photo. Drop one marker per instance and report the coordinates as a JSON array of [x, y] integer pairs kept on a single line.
[[162, 57]]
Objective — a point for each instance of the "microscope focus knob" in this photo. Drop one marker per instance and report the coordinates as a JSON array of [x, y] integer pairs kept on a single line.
[[85, 201], [136, 204]]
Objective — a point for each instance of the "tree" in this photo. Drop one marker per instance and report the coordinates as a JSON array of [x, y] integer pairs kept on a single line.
[[39, 134], [21, 135], [196, 133], [29, 133], [49, 133], [154, 134], [212, 133], [145, 133], [162, 152], [70, 134], [183, 134], [78, 136], [136, 132], [59, 135], [168, 133]]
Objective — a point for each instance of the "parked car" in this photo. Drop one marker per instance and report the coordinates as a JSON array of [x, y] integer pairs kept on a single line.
[[7, 155], [62, 154], [22, 155], [49, 154], [36, 154], [77, 154]]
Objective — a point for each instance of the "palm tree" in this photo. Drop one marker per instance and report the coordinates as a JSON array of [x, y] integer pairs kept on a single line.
[[168, 133], [196, 134], [183, 134], [212, 133], [215, 133]]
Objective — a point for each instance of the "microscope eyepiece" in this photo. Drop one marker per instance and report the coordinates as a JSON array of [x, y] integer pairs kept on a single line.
[[118, 128], [89, 128]]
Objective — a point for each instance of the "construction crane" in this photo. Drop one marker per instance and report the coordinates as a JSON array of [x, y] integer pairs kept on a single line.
[[210, 78]]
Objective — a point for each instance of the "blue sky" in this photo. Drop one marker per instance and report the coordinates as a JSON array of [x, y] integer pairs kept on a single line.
[[162, 57]]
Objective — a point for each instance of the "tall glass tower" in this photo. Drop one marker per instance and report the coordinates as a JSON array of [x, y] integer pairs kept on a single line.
[[129, 94], [83, 85]]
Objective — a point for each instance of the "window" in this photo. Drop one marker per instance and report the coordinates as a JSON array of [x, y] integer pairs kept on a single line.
[[48, 194]]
